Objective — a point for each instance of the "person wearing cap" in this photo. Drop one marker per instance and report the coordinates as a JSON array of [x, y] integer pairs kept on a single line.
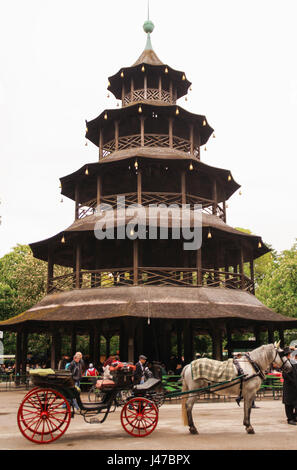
[[139, 374], [290, 389]]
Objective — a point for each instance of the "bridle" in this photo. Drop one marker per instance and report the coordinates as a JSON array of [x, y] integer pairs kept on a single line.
[[281, 356]]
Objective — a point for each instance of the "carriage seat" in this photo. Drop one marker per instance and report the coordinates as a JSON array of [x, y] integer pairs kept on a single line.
[[150, 383], [104, 384]]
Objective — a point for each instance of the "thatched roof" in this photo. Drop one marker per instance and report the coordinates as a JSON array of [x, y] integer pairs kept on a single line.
[[203, 303]]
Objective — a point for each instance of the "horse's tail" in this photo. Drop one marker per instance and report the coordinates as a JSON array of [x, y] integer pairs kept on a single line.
[[184, 399]]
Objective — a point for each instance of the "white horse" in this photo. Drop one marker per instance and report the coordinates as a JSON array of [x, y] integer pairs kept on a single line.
[[253, 366]]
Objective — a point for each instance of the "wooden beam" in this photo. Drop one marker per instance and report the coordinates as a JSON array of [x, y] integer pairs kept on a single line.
[[78, 265], [99, 189], [101, 143], [116, 135], [191, 139], [183, 187], [142, 131], [170, 132], [139, 187], [135, 262], [76, 212], [214, 197], [160, 88]]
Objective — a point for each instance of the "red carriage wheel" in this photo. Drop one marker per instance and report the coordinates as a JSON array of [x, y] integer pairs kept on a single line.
[[139, 417], [44, 415]]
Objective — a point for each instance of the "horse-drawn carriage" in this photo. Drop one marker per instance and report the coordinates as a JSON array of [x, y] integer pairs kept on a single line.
[[45, 412]]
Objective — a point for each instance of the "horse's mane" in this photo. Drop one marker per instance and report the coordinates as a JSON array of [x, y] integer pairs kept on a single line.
[[262, 354]]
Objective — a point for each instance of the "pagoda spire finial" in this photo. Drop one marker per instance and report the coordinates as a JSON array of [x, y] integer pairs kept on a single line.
[[148, 27]]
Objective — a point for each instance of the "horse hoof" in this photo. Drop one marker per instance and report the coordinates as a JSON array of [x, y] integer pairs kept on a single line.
[[193, 431], [250, 430]]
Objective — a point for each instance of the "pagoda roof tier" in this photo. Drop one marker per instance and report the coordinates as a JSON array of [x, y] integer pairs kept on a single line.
[[149, 64], [128, 118], [201, 304], [145, 156], [153, 217]]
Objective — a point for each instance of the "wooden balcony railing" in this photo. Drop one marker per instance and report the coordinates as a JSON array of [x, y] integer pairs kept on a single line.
[[149, 140], [147, 198], [151, 276], [148, 94]]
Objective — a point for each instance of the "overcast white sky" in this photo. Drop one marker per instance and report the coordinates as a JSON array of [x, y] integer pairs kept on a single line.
[[55, 59]]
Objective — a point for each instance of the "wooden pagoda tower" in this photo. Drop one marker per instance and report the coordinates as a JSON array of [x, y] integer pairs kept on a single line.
[[148, 290]]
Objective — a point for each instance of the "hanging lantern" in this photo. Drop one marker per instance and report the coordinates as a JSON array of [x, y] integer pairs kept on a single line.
[[191, 88], [186, 98], [166, 70], [87, 171], [177, 111], [140, 109], [148, 321], [86, 144], [259, 245], [209, 235], [229, 177], [131, 232], [108, 95], [108, 84], [63, 239], [136, 165], [105, 116], [143, 68], [191, 167], [204, 122], [205, 148], [118, 104], [183, 77], [122, 74], [60, 186], [62, 200], [213, 136], [240, 193]]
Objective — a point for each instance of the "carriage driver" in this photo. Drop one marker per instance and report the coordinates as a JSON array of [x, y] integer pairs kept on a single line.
[[139, 374]]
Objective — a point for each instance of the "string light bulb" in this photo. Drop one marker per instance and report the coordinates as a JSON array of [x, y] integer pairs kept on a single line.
[[105, 116], [209, 235], [140, 109], [229, 177], [204, 122], [63, 239], [183, 77], [259, 245], [177, 111], [122, 74], [136, 165], [191, 167], [87, 171], [143, 68], [166, 70]]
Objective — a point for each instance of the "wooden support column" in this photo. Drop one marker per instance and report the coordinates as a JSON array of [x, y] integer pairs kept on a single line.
[[99, 190], [101, 143], [170, 132], [135, 262], [179, 340], [50, 268], [97, 345], [145, 86], [229, 340], [132, 89], [76, 210], [91, 344], [188, 341], [183, 187], [241, 268], [73, 341], [142, 131], [123, 94], [139, 187], [123, 341], [78, 265], [171, 92], [107, 338], [116, 135], [160, 88], [281, 337], [216, 336], [191, 139], [54, 349], [199, 267], [18, 357], [214, 197], [225, 213], [24, 351], [270, 334], [257, 336], [252, 275]]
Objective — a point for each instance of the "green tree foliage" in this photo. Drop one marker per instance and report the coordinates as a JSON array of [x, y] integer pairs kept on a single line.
[[278, 288]]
